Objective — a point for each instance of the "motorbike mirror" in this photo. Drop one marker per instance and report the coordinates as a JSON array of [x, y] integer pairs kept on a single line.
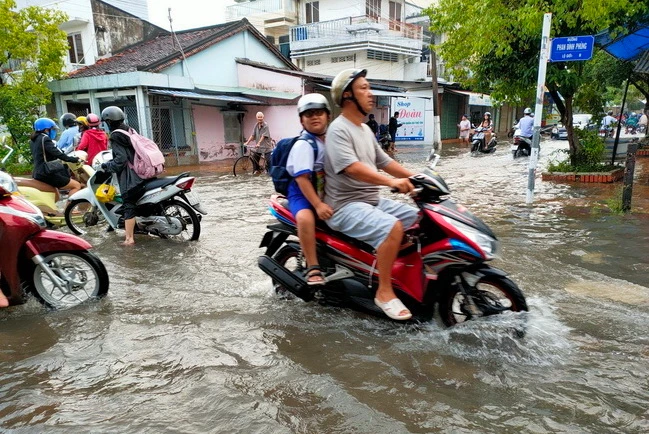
[[7, 184]]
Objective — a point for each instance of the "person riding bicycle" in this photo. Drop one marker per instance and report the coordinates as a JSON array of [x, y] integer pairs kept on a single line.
[[44, 151], [353, 159], [263, 142], [306, 190]]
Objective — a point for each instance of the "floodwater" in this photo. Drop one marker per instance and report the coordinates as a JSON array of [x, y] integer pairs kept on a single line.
[[191, 338]]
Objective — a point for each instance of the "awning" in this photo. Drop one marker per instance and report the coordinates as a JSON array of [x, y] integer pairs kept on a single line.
[[197, 95], [250, 91], [480, 99], [626, 47]]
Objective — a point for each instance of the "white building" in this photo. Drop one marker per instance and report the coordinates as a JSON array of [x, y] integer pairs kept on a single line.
[[326, 36], [96, 28]]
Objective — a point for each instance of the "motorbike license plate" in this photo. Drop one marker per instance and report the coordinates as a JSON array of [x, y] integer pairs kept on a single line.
[[514, 147], [193, 198]]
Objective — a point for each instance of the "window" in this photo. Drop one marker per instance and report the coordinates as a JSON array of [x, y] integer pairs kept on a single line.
[[75, 48], [339, 59], [373, 8], [312, 12], [395, 16]]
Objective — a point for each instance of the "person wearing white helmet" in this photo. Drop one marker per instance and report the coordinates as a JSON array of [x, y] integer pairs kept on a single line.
[[306, 191], [526, 123], [353, 158]]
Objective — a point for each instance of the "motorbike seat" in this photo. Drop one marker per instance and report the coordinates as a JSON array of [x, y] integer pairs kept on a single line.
[[38, 185], [152, 183]]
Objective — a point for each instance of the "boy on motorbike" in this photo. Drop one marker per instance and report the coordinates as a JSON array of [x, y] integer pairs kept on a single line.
[[131, 186], [306, 190], [353, 158]]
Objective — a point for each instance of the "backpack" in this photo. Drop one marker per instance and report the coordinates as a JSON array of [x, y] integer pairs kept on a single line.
[[279, 157], [149, 161]]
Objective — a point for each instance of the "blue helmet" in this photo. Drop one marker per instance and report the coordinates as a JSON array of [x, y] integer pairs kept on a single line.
[[43, 124]]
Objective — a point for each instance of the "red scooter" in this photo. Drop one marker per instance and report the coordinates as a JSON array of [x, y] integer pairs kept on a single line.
[[56, 267], [444, 263]]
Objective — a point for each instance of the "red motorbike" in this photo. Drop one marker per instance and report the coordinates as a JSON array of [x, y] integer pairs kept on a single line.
[[56, 267], [444, 262]]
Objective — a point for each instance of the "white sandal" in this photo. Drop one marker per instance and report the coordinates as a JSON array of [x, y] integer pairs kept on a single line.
[[393, 308]]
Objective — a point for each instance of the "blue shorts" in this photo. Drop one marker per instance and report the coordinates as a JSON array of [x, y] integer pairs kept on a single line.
[[372, 224], [296, 200]]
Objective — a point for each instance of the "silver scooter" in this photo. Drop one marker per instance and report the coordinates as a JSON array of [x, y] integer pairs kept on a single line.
[[168, 209]]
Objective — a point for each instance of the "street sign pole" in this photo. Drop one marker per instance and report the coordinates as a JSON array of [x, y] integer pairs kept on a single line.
[[538, 113]]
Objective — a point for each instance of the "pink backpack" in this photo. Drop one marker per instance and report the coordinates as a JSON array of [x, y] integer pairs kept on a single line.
[[149, 161]]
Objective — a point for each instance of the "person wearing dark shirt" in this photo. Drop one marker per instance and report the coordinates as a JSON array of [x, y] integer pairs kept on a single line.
[[44, 150], [392, 129], [131, 186], [374, 126]]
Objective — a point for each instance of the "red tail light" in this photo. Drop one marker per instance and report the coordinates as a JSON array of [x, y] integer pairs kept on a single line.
[[186, 185]]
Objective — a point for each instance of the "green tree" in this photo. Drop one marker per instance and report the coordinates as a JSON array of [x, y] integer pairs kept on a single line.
[[32, 52], [493, 46]]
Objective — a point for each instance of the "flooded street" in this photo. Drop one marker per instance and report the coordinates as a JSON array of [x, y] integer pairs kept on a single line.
[[192, 339]]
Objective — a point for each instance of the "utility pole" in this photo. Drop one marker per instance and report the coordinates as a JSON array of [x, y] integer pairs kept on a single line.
[[538, 113], [437, 133]]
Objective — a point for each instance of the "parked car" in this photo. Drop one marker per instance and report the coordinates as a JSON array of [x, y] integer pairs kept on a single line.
[[583, 121], [559, 132]]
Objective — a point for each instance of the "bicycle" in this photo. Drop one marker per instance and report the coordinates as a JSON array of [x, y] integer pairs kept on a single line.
[[244, 165]]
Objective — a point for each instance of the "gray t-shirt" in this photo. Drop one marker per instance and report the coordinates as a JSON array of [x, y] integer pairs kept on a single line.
[[347, 143], [262, 130]]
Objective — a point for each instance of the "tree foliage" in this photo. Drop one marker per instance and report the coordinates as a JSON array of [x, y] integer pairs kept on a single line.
[[32, 52], [493, 46]]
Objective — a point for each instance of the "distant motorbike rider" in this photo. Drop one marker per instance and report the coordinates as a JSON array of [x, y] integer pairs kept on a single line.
[[608, 120], [526, 124], [131, 186], [43, 151], [94, 139], [66, 141]]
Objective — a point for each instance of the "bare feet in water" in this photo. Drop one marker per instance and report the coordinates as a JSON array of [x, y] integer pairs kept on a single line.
[[128, 242], [4, 302]]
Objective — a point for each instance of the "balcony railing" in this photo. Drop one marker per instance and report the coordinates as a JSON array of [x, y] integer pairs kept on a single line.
[[395, 36], [242, 10]]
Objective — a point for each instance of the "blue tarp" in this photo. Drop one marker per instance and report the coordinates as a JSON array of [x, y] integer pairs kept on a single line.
[[626, 47]]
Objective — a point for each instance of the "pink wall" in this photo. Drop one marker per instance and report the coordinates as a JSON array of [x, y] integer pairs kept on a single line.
[[258, 78], [282, 120], [210, 136], [210, 133]]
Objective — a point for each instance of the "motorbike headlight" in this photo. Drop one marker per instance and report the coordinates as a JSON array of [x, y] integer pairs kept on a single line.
[[489, 246]]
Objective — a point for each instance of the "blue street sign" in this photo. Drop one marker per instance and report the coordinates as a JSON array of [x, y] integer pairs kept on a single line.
[[572, 48]]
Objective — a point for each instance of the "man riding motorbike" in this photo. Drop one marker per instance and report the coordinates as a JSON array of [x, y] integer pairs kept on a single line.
[[352, 163]]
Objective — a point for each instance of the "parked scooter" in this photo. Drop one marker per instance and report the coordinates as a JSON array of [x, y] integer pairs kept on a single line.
[[478, 142], [47, 197], [168, 209], [522, 146], [384, 138], [445, 265], [56, 267]]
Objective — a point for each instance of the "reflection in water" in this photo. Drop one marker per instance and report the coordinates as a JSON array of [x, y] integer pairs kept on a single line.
[[191, 338]]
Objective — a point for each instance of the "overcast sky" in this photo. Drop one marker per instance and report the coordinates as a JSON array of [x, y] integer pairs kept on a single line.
[[187, 14]]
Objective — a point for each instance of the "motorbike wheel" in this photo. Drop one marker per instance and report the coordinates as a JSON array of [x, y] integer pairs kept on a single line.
[[492, 295], [191, 224], [475, 146], [82, 277], [83, 218], [289, 257]]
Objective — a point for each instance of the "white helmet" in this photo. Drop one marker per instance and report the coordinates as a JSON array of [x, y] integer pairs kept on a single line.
[[312, 101], [344, 80], [527, 111]]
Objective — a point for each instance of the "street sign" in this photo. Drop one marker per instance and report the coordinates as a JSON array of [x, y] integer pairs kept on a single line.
[[572, 48]]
